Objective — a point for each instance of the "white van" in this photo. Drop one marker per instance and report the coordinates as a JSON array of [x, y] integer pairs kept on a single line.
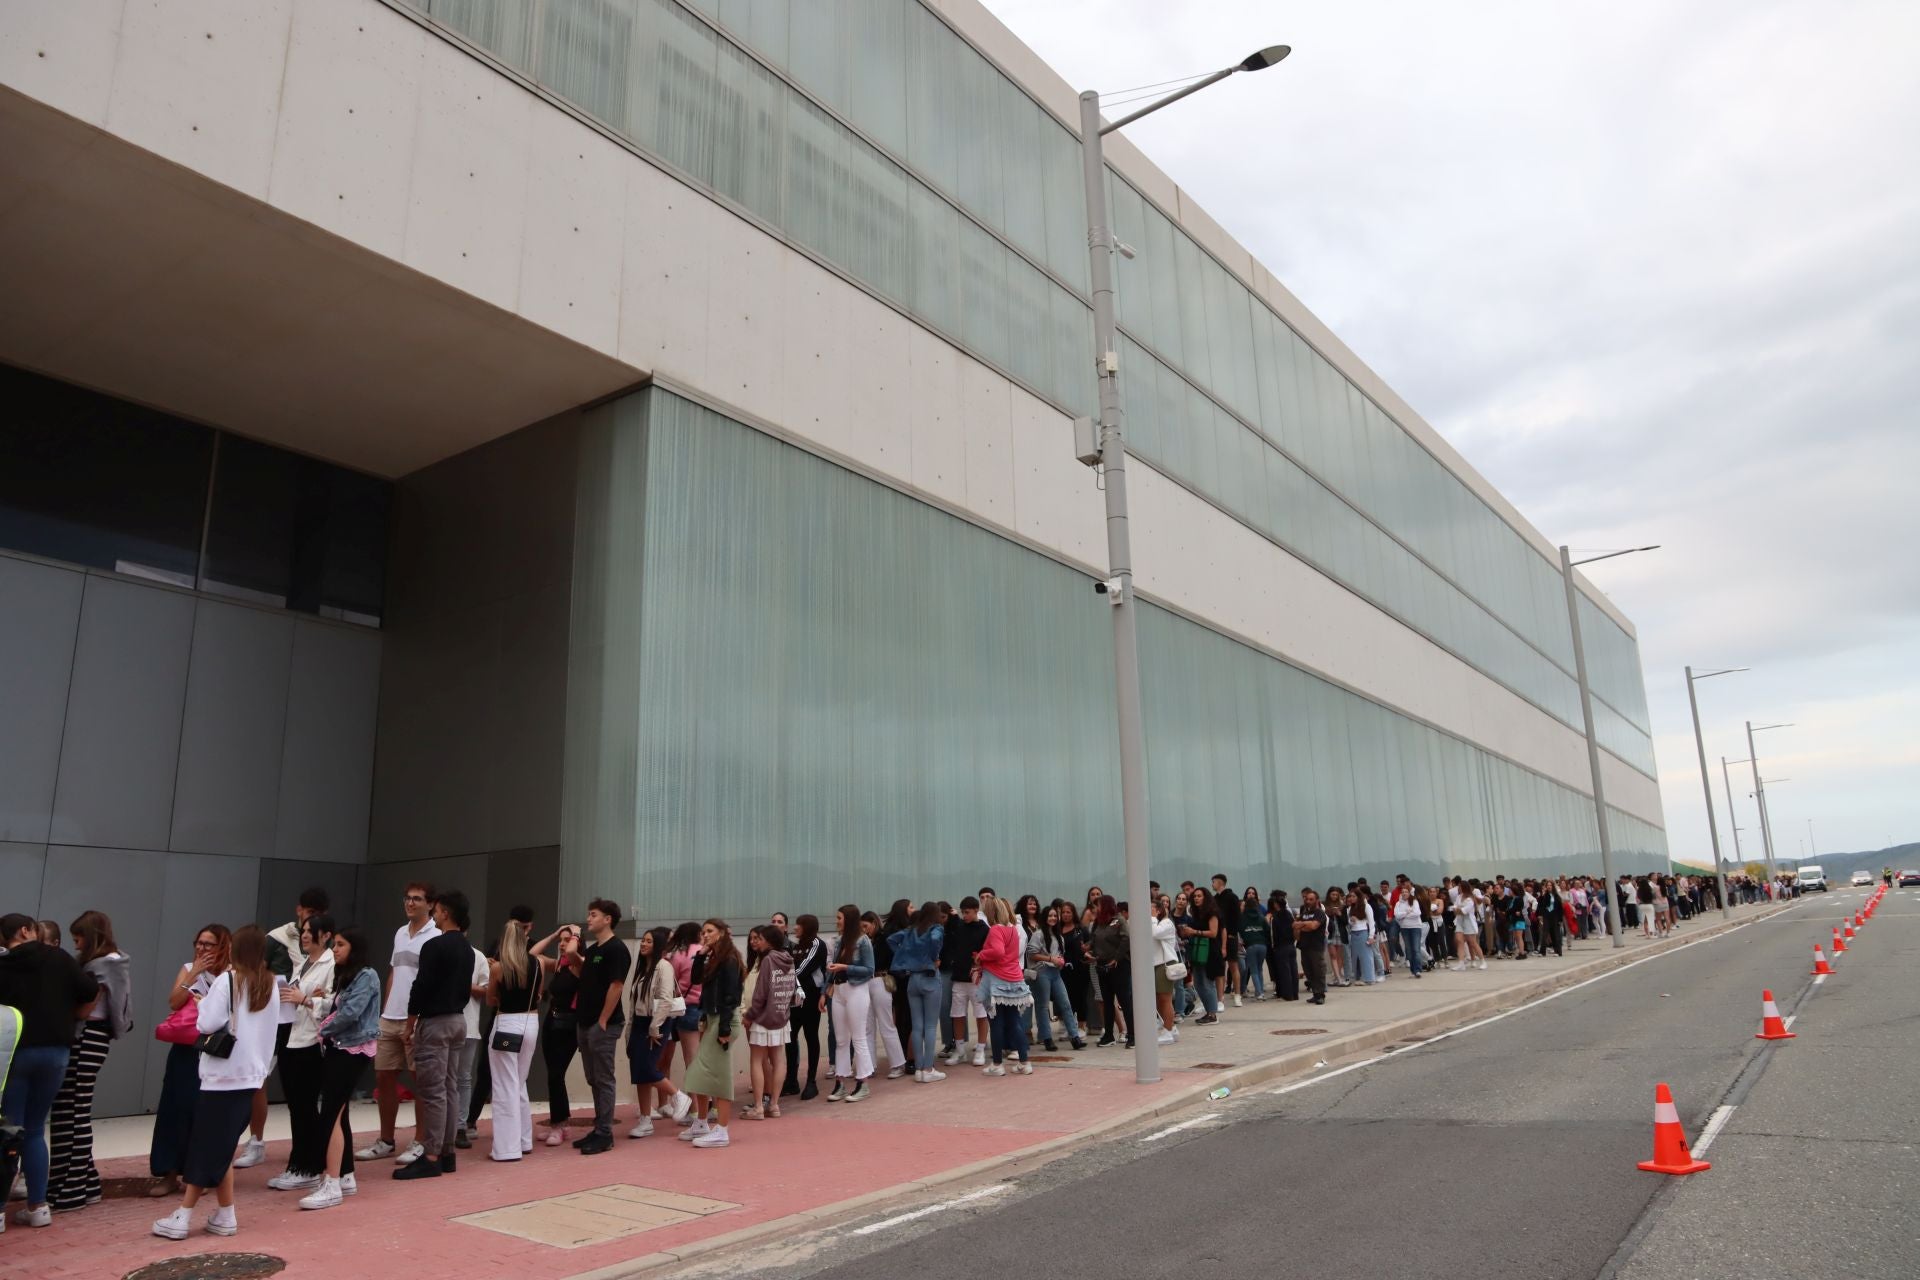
[[1810, 878]]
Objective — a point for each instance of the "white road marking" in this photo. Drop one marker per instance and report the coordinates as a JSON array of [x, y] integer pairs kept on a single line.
[[1786, 1023], [1818, 979], [1184, 1125], [1716, 1122], [980, 1193]]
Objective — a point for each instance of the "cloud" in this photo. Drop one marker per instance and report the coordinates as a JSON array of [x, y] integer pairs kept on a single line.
[[1655, 270]]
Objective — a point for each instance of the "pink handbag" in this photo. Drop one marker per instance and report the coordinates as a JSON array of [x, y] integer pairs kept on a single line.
[[182, 1026]]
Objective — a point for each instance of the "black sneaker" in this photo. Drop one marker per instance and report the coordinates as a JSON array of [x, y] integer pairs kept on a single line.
[[1078, 1043], [446, 1162], [596, 1143], [421, 1168], [1205, 1020], [1105, 1040], [581, 1142], [809, 1093], [462, 1139], [1050, 1046], [790, 1089]]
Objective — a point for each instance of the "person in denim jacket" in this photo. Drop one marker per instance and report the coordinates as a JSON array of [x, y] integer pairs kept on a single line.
[[349, 1023]]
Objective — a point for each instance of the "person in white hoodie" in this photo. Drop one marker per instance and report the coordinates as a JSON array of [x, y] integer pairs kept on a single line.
[[301, 1067], [241, 1013], [1413, 928]]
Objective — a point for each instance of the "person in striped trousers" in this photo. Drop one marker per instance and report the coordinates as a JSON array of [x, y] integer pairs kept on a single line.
[[73, 1181]]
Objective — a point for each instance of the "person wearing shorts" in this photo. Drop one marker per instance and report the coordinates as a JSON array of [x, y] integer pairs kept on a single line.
[[393, 1052], [964, 938]]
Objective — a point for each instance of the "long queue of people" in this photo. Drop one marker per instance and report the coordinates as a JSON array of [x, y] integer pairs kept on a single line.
[[927, 985]]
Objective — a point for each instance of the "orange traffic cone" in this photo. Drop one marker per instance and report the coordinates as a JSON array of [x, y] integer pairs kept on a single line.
[[1670, 1153], [1820, 966], [1772, 1026], [1858, 919], [1847, 928], [1838, 946]]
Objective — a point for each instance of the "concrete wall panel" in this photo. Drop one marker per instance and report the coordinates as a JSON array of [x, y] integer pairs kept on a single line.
[[22, 867], [746, 334], [200, 889], [227, 790], [39, 618], [64, 54], [937, 449], [326, 765], [570, 264], [123, 717], [986, 428], [818, 370]]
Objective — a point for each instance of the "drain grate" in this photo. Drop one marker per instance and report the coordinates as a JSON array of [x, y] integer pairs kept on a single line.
[[1300, 1031], [212, 1266], [1214, 1066]]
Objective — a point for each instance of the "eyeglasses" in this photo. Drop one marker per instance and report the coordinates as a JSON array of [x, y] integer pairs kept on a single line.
[[209, 946], [416, 897]]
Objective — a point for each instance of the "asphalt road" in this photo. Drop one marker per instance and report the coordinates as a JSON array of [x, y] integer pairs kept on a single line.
[[1505, 1150]]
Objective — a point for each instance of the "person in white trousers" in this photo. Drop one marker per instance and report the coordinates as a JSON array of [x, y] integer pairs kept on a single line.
[[849, 974], [515, 982], [881, 1030]]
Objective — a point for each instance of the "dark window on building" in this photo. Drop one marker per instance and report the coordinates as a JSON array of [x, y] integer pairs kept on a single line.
[[97, 481], [289, 531]]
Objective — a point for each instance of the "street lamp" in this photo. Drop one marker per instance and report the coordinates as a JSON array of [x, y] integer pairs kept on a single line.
[[1760, 791], [1733, 817], [1706, 781], [1118, 588], [1593, 744]]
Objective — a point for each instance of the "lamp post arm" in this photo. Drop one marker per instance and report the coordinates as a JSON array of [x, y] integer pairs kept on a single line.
[[1169, 100]]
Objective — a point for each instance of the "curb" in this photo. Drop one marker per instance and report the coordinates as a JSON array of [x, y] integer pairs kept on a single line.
[[1265, 1070]]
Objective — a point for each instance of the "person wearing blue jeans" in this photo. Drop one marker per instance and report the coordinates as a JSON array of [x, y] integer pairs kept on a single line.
[[1360, 942], [47, 986], [1046, 958], [916, 962], [1413, 929]]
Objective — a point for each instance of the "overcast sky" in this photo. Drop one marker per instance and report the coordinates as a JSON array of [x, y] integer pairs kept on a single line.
[[1654, 268]]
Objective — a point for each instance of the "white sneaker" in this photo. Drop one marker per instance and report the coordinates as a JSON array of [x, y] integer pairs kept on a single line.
[[1483, 964], [291, 1181], [380, 1150], [995, 1070], [1165, 1037], [251, 1154], [954, 1056], [1236, 999], [1456, 968], [680, 1107], [659, 1113], [979, 1055], [642, 1130], [934, 1077], [714, 1137], [223, 1222], [41, 1217], [349, 1184], [408, 1156], [1023, 1068], [327, 1196], [894, 1073], [697, 1129], [174, 1226]]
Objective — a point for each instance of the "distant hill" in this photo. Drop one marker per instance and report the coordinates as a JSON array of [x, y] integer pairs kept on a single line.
[[1840, 866]]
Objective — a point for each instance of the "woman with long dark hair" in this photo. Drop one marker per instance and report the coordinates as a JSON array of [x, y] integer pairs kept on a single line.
[[300, 1062], [180, 1085], [1111, 954], [710, 1074], [1076, 974], [899, 916], [559, 1029], [847, 976], [767, 1017], [241, 1009], [882, 1031], [348, 1021], [684, 950], [810, 971], [74, 1180]]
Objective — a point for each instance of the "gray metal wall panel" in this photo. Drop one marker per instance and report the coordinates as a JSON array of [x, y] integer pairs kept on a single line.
[[326, 772], [115, 788], [282, 882], [126, 884], [39, 616], [200, 889], [21, 868], [233, 731]]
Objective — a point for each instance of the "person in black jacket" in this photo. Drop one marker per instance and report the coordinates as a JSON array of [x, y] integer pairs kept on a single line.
[[437, 1028], [810, 973], [1553, 919], [48, 987], [1283, 957]]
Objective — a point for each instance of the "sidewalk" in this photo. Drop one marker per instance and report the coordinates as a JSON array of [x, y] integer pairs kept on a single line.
[[651, 1202]]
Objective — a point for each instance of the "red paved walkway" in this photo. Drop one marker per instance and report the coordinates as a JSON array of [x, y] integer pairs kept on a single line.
[[807, 1159]]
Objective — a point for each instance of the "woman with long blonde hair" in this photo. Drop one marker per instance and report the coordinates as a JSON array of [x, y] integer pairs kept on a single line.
[[515, 980]]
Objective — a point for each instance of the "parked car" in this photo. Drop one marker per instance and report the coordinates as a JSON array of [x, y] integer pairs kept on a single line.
[[1862, 878], [1909, 877]]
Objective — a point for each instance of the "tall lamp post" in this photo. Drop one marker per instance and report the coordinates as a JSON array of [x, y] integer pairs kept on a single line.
[[1109, 453], [1706, 779], [1760, 792], [1567, 562], [1733, 818]]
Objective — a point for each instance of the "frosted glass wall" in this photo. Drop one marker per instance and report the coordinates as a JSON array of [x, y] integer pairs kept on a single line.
[[870, 134], [794, 686]]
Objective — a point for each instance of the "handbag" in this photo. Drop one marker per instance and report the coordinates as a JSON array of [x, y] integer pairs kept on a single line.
[[1176, 972], [1202, 950], [507, 1041], [179, 1026], [220, 1044]]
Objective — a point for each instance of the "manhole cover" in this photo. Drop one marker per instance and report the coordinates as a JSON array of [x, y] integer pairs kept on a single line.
[[211, 1266], [1212, 1066], [1301, 1031]]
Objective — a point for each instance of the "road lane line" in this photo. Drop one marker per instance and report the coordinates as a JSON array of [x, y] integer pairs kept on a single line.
[[1786, 1023], [1716, 1122], [1531, 1004], [1208, 1118], [1819, 978], [978, 1194]]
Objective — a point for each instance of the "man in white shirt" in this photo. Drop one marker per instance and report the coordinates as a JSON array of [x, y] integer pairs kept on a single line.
[[393, 1054]]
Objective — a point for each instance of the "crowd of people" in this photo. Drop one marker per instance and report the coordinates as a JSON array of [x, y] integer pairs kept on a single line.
[[926, 985]]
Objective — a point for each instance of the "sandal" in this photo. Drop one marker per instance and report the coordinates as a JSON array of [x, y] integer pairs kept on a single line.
[[752, 1113], [773, 1113]]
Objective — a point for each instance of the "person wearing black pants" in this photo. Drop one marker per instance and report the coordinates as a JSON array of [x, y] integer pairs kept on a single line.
[[1310, 930], [1283, 962], [810, 976]]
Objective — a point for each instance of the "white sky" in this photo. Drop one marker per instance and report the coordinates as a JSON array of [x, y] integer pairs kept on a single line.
[[1654, 267]]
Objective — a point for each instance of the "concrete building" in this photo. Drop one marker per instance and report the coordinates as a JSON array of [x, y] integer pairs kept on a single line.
[[570, 447]]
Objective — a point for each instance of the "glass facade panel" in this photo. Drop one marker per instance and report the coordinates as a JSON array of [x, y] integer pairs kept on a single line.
[[92, 480], [812, 710], [908, 91]]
